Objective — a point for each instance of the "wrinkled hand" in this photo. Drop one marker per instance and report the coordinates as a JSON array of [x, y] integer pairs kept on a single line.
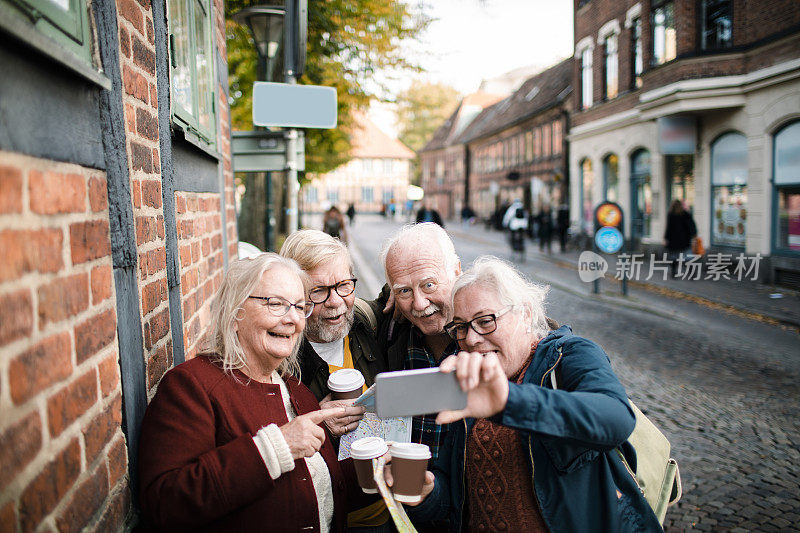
[[427, 486], [482, 377], [304, 435], [349, 420]]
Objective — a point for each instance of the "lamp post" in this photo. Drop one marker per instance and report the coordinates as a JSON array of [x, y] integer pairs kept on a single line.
[[266, 27]]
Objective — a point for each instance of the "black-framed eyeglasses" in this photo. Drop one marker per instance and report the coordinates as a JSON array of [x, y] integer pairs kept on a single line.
[[279, 307], [482, 325], [320, 294]]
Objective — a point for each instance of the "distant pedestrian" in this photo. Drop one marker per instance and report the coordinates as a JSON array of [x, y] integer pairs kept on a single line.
[[426, 214], [546, 229], [562, 226], [351, 213], [681, 229], [333, 224], [516, 222]]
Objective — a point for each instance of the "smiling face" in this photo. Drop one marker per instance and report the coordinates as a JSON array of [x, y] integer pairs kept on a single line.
[[421, 285], [511, 340], [266, 339], [332, 319]]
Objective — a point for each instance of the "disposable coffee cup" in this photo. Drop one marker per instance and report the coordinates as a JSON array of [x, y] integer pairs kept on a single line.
[[409, 462], [345, 384], [363, 451]]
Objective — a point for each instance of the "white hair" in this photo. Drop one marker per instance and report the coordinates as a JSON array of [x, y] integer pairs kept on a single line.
[[511, 288], [426, 232], [240, 280]]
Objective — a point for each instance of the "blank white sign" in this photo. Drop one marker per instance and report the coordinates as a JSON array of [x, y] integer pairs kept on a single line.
[[294, 106]]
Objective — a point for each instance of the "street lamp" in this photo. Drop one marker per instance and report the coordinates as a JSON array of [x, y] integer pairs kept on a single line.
[[266, 27]]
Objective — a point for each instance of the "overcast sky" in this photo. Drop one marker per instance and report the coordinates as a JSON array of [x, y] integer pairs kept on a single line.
[[472, 40]]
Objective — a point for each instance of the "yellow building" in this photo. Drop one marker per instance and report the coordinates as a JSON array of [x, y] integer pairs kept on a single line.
[[378, 174]]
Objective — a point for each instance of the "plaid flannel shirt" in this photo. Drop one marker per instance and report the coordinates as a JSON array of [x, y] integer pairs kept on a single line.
[[424, 429]]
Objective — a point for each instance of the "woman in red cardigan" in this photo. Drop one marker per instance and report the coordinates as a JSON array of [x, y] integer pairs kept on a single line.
[[232, 441]]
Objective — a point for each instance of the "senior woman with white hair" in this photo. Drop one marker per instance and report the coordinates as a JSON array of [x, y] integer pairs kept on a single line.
[[527, 457], [232, 441]]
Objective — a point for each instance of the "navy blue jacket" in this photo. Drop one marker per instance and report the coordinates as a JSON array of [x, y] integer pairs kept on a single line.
[[571, 435]]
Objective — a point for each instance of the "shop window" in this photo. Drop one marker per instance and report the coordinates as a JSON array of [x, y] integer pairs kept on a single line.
[[610, 66], [558, 139], [529, 146], [637, 63], [367, 194], [311, 195], [586, 78], [611, 178], [729, 190], [587, 195], [192, 61], [641, 195], [664, 38], [546, 140], [786, 157], [717, 24]]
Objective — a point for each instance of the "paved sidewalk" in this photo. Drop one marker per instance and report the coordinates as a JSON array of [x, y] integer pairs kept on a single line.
[[748, 298]]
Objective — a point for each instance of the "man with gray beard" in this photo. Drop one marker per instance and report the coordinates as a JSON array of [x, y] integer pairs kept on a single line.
[[338, 334]]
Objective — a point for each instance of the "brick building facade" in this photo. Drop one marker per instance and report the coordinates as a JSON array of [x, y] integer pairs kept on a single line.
[[517, 147], [696, 101], [116, 221], [443, 161]]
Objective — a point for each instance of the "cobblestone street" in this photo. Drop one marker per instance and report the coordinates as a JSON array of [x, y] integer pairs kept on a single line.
[[721, 387]]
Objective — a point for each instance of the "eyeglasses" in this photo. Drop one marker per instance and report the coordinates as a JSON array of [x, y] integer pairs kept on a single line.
[[279, 306], [482, 325], [320, 295]]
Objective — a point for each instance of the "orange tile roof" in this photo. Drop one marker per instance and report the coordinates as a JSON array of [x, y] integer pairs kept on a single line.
[[369, 141]]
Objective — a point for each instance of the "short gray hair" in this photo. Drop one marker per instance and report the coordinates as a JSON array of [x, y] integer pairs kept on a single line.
[[240, 280], [511, 288], [426, 232], [312, 248]]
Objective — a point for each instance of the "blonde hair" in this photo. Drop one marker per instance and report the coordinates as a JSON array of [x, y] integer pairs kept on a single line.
[[312, 248], [511, 288], [240, 280]]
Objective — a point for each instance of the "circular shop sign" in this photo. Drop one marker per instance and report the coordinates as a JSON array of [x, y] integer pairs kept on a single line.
[[609, 215], [609, 240]]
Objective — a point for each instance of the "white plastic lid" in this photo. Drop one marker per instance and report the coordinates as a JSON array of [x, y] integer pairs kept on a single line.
[[410, 450], [368, 448], [345, 380]]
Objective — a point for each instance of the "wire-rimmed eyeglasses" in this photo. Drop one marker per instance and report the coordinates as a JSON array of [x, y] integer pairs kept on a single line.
[[320, 294], [482, 325], [279, 307]]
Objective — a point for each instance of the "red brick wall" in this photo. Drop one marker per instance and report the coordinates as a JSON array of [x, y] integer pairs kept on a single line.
[[63, 459], [201, 259], [63, 454]]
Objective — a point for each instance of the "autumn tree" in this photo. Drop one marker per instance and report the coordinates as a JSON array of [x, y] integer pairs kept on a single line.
[[421, 109], [349, 42]]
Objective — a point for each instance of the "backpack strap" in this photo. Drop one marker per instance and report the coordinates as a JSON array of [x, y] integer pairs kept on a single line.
[[365, 309]]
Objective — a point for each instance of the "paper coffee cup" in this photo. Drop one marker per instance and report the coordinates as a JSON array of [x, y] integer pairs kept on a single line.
[[409, 462], [363, 451], [345, 384]]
